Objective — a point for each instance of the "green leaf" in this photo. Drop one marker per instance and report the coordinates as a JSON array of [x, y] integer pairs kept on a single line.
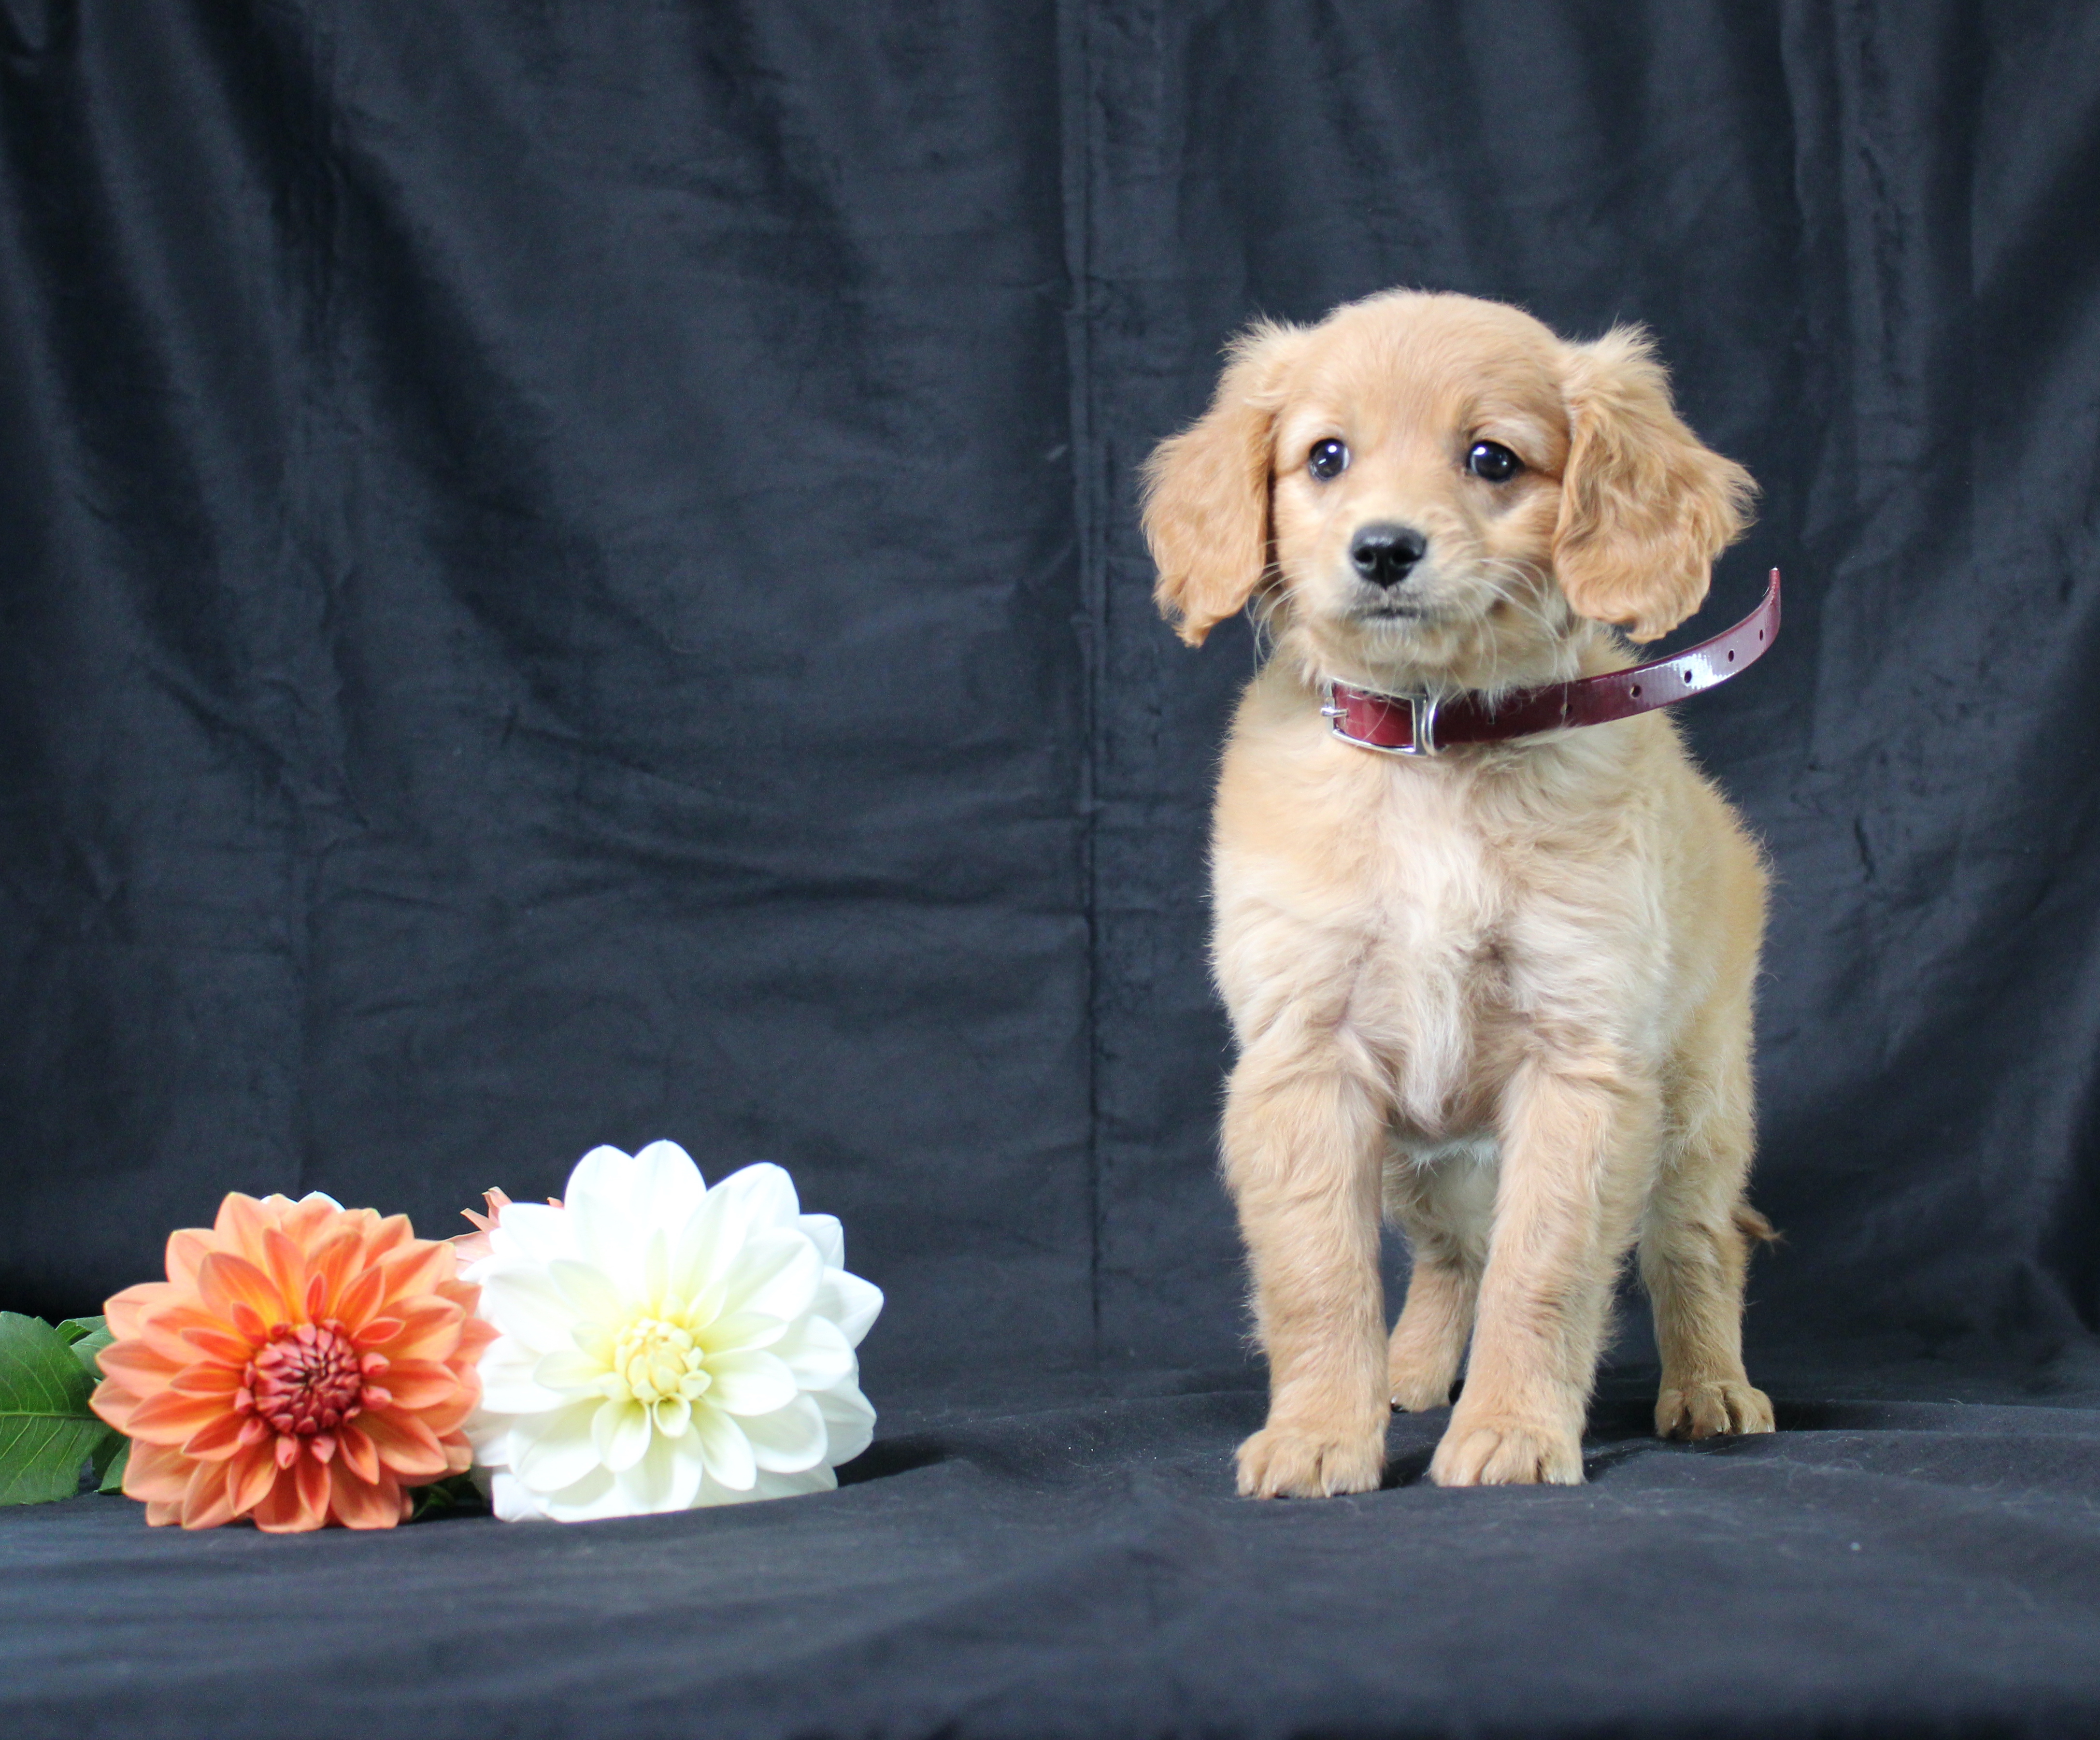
[[455, 1496], [89, 1336], [47, 1428], [110, 1467]]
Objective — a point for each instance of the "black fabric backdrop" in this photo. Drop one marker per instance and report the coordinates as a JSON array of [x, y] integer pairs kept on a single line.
[[570, 575]]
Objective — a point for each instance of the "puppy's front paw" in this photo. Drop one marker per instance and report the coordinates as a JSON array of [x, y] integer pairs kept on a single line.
[[1285, 1461], [1711, 1408], [1504, 1453]]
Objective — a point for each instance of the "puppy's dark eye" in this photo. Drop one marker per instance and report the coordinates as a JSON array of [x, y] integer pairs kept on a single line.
[[1328, 459], [1493, 462]]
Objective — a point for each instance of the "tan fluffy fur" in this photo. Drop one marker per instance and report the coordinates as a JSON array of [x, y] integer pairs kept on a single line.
[[1502, 996]]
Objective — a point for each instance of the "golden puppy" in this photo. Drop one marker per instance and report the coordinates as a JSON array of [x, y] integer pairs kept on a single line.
[[1503, 991]]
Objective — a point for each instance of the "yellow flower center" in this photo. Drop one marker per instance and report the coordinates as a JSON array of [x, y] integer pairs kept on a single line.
[[658, 1361]]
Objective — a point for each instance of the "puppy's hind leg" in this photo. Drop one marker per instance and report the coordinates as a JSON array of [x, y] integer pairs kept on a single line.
[[1696, 1240], [1443, 1204]]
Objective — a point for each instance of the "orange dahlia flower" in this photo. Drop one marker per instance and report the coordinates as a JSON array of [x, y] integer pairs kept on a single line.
[[302, 1364]]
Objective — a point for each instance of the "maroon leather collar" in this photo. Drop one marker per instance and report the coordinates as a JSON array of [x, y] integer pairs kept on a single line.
[[1414, 725]]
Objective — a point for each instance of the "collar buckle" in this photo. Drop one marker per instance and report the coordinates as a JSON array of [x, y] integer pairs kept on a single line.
[[1422, 727]]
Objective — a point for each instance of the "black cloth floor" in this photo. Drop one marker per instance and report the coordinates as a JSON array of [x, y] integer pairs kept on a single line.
[[1875, 1567], [569, 575]]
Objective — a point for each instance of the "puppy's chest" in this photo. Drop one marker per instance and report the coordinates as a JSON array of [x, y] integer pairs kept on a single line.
[[1430, 990]]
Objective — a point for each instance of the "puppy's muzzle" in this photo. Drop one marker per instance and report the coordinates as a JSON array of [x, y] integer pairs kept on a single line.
[[1385, 554]]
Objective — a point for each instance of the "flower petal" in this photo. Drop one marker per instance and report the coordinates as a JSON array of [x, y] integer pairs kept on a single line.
[[359, 1299], [238, 1227], [533, 1231], [404, 1443], [312, 1476], [205, 1504], [758, 1199], [445, 1417], [156, 1473], [672, 1186], [525, 1304], [216, 1343], [418, 1269], [789, 1439], [277, 1511], [749, 1382], [564, 1371], [727, 1449], [816, 1353], [224, 1281], [512, 1500], [598, 1494], [607, 1202], [589, 1294], [358, 1452], [699, 1272], [218, 1438], [337, 1257], [303, 1219], [777, 1272], [285, 1264], [688, 1468], [135, 1365], [208, 1377], [849, 1418], [123, 1312], [740, 1330], [828, 1236], [818, 1479], [430, 1329], [554, 1450], [248, 1477], [509, 1383], [166, 1418], [418, 1384], [605, 1173], [382, 1238], [187, 1248], [168, 1330], [360, 1504], [649, 1485], [620, 1434], [763, 1195], [850, 1302]]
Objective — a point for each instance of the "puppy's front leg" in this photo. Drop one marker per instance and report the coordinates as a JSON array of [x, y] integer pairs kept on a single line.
[[1302, 1141], [1575, 1143]]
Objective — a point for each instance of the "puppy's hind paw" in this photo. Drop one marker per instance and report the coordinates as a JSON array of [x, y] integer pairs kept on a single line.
[[1284, 1461], [1712, 1407], [1416, 1392], [1505, 1453]]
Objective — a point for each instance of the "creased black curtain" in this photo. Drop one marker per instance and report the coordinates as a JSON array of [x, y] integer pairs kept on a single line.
[[541, 590], [570, 575]]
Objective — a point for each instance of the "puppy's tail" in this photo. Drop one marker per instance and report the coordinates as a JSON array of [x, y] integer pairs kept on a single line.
[[1755, 1227]]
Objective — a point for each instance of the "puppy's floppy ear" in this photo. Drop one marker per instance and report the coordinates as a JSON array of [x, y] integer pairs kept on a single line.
[[1644, 506], [1207, 489]]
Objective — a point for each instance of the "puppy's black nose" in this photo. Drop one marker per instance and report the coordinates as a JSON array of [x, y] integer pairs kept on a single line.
[[1385, 554]]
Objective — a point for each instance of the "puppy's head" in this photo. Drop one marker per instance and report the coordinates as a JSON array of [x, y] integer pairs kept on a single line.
[[1433, 488]]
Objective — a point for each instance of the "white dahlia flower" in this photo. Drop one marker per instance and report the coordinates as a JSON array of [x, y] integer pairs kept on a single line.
[[666, 1346]]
